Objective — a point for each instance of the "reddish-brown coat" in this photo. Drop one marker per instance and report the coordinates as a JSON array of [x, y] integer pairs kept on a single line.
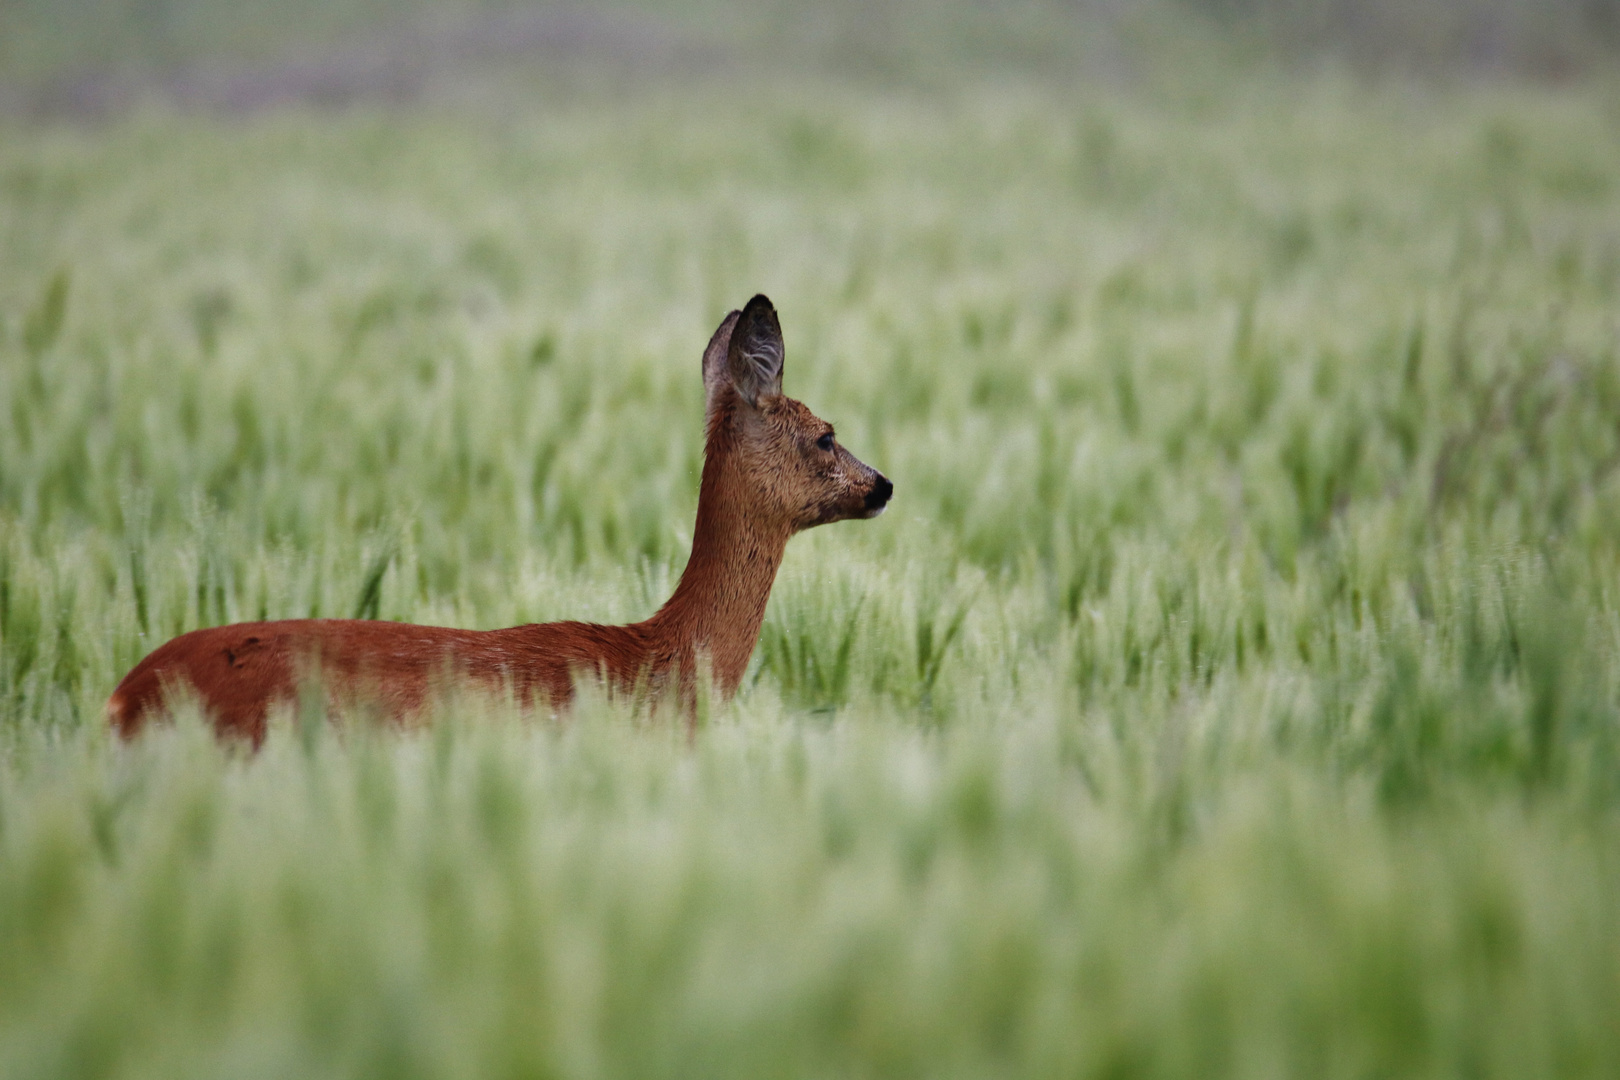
[[765, 477]]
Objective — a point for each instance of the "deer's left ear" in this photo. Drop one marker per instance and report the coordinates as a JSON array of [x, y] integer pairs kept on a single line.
[[716, 373], [754, 354]]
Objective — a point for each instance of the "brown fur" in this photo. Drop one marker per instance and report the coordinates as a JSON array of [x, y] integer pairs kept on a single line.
[[764, 478]]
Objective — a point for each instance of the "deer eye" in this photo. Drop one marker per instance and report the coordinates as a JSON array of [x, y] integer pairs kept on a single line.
[[825, 442]]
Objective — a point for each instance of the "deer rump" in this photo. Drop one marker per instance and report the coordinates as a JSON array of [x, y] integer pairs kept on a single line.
[[771, 468]]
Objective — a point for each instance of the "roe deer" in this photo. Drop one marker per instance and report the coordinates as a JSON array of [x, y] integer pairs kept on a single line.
[[770, 469]]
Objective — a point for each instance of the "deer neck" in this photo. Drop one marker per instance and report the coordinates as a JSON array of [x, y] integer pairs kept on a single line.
[[719, 605]]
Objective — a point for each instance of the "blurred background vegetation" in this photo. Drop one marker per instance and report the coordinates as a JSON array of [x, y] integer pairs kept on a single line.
[[88, 56]]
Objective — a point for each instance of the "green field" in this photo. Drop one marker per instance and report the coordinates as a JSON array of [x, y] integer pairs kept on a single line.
[[1232, 689]]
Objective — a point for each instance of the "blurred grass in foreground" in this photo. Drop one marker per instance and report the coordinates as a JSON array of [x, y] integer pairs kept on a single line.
[[1231, 689]]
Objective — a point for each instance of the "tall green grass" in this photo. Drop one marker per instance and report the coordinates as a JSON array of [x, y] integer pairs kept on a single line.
[[1230, 690]]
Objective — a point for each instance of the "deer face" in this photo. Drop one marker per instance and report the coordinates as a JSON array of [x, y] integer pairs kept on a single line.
[[788, 459], [800, 467]]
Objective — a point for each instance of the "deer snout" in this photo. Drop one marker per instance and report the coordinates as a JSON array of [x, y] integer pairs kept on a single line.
[[878, 498]]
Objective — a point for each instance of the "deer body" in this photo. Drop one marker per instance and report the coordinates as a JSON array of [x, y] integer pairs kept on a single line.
[[771, 469]]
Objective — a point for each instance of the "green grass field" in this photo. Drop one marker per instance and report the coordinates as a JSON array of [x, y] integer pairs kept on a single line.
[[1230, 690]]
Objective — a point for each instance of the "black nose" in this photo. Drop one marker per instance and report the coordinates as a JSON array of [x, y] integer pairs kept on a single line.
[[879, 495]]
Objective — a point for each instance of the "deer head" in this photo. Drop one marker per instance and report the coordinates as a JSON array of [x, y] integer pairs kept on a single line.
[[786, 460]]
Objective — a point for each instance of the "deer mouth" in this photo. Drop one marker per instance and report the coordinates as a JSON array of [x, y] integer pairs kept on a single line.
[[877, 500]]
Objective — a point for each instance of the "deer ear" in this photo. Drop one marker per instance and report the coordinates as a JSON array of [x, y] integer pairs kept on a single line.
[[715, 372], [754, 354]]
